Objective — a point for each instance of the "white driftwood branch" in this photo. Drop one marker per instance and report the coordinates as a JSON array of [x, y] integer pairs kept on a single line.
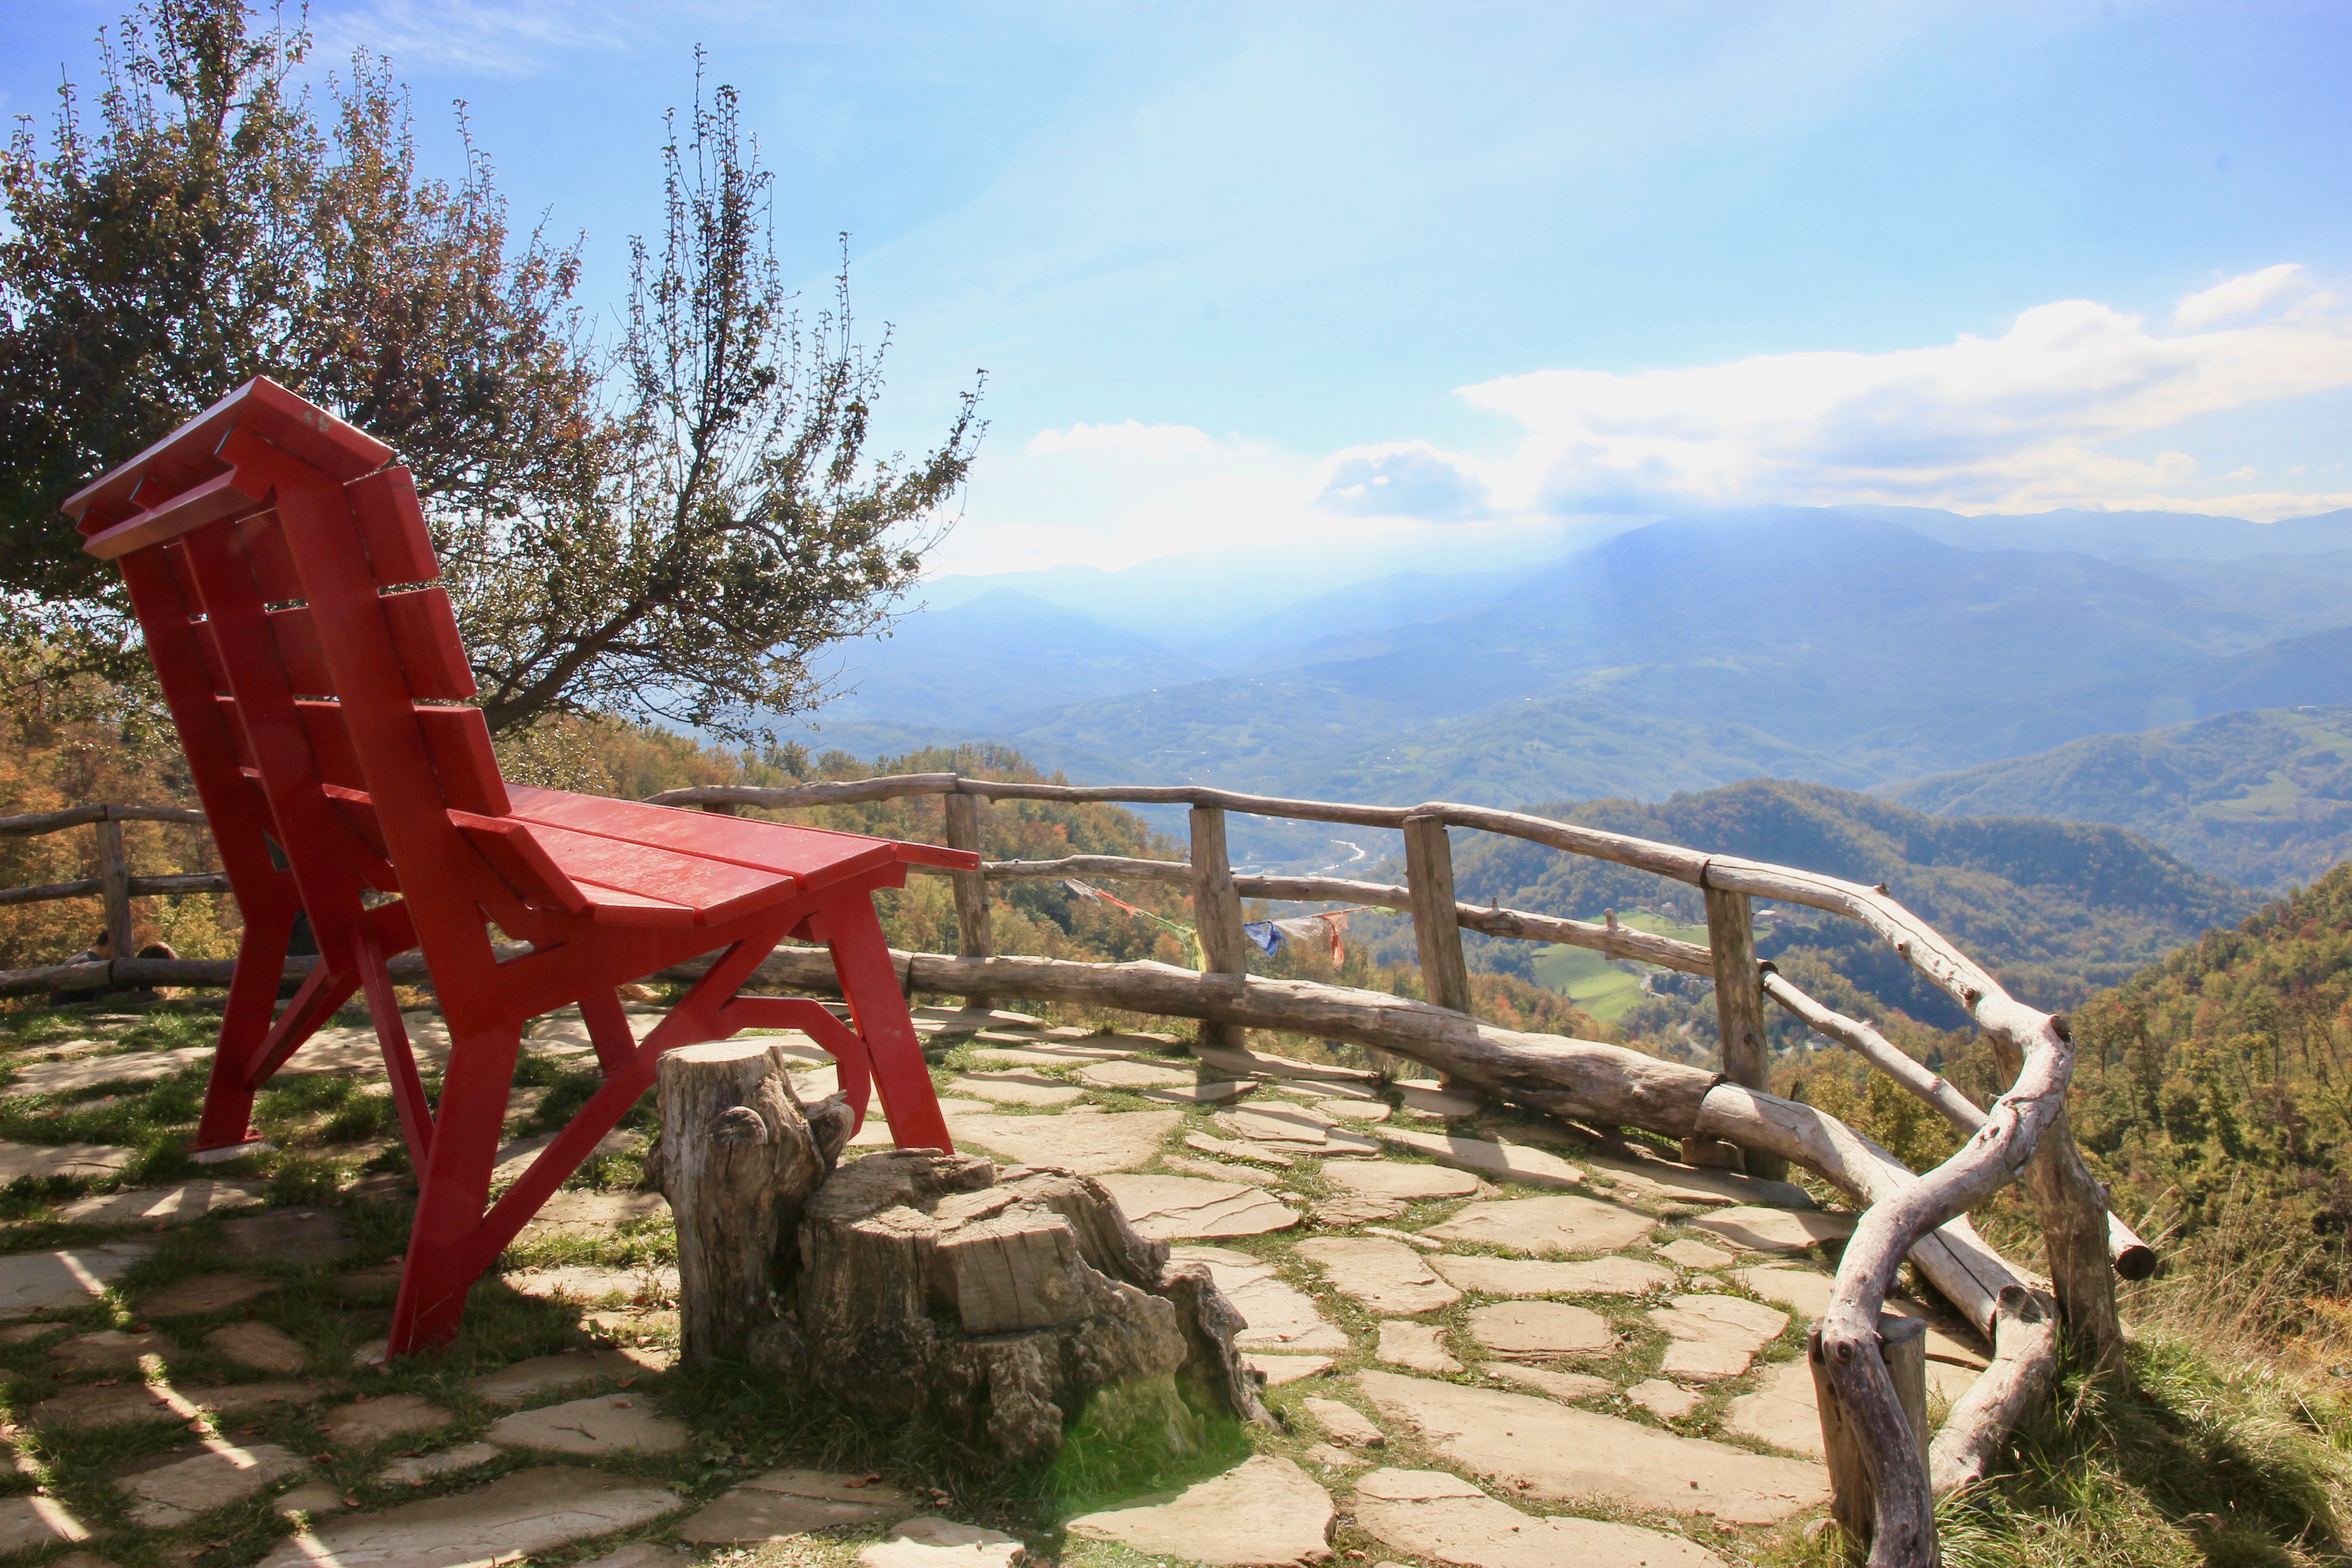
[[2131, 1258], [1904, 1508]]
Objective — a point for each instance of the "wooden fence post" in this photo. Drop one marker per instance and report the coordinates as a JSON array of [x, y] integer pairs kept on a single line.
[[1217, 915], [114, 884], [1903, 1341], [1739, 1010], [1429, 878], [970, 888]]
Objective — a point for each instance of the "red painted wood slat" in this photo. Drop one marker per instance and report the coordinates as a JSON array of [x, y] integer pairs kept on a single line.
[[262, 543], [392, 527], [801, 852], [432, 656], [459, 742], [714, 890], [300, 651]]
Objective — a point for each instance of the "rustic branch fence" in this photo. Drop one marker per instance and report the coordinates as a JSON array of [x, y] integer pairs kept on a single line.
[[1866, 1364]]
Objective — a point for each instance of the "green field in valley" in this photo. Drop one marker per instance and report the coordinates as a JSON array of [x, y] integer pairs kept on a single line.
[[1602, 986]]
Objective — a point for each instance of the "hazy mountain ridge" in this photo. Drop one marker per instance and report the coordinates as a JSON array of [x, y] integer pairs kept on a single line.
[[2262, 797], [1840, 646]]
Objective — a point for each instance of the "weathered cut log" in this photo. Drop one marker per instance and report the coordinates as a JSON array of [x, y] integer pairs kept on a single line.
[[1002, 1307], [47, 892], [1739, 1020], [2071, 1207], [1581, 1079], [2132, 1258], [737, 1159], [1847, 1436], [2024, 1363]]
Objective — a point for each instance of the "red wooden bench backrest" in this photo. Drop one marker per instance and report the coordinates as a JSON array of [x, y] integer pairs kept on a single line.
[[227, 589]]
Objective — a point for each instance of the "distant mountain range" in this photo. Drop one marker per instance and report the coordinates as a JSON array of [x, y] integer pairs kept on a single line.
[[1857, 647], [2057, 909], [2262, 797]]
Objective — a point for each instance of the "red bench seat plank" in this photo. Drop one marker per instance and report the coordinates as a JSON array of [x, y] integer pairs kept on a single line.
[[713, 890], [818, 857]]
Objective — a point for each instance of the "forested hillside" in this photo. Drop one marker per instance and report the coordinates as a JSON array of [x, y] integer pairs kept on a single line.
[[2223, 1075], [2058, 909], [2262, 797]]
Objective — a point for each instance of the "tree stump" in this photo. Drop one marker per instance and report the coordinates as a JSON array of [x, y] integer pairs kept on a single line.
[[739, 1155], [1002, 1306]]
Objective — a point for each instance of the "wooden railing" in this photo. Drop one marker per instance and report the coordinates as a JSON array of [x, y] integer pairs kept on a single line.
[[114, 887], [1884, 1476]]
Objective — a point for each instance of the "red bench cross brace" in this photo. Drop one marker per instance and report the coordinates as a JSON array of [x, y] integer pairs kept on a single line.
[[282, 573]]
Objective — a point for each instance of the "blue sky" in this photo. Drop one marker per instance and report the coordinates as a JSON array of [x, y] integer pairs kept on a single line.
[[1434, 283]]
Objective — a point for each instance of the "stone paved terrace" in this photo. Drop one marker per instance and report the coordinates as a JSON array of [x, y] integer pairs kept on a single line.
[[1490, 1344]]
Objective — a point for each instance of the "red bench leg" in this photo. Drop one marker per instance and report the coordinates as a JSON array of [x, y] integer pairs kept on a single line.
[[443, 1252], [861, 958], [228, 1117]]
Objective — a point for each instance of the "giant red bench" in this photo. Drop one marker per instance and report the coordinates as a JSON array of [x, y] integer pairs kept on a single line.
[[281, 567]]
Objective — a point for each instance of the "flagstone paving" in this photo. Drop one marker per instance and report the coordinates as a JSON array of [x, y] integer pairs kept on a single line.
[[1420, 1346], [1775, 1230], [585, 1213], [1502, 1161], [1017, 1088], [264, 1347], [790, 1501], [1478, 1331], [1165, 1207], [183, 1205], [109, 1347], [85, 1072], [366, 1423], [606, 1424], [201, 1293], [1432, 1514], [46, 1281], [929, 1541], [1264, 1511], [179, 1490], [1415, 1183], [1561, 1454], [86, 1162], [1385, 1276], [1090, 1145], [517, 1515], [1562, 1224], [1526, 1276], [38, 1522]]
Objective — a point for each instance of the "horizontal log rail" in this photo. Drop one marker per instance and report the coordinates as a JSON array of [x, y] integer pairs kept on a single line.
[[41, 822], [2023, 1137]]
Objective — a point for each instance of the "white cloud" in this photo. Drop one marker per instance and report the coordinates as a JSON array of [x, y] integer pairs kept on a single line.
[[2077, 403], [495, 37], [2238, 297], [2020, 421], [1129, 441]]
